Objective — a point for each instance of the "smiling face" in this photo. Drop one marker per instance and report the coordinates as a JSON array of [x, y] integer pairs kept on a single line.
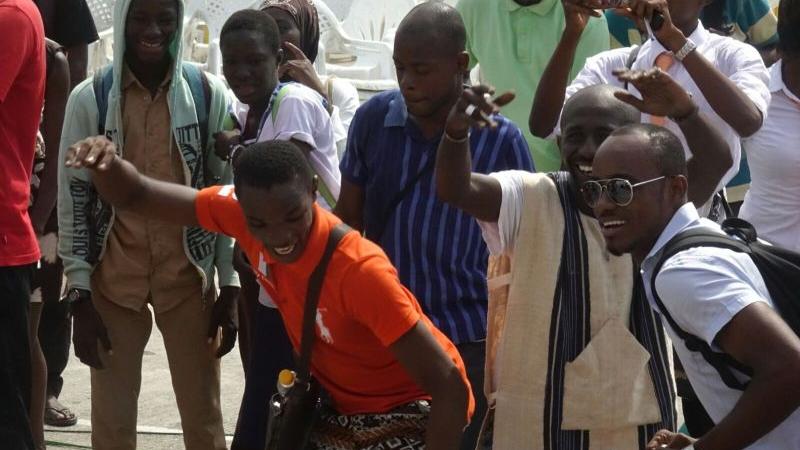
[[249, 65], [589, 117], [636, 227], [150, 28], [280, 217]]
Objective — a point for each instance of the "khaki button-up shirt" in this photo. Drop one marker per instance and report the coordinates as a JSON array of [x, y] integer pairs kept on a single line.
[[145, 259]]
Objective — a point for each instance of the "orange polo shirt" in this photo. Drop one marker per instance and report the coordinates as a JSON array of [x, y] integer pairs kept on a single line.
[[363, 308]]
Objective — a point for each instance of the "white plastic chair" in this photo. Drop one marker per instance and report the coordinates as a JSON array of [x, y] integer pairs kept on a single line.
[[101, 52], [214, 13], [367, 64], [376, 20]]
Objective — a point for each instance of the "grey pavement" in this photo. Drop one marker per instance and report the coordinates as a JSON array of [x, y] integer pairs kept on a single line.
[[159, 422]]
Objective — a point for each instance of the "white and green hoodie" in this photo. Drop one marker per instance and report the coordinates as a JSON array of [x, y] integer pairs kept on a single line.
[[84, 220]]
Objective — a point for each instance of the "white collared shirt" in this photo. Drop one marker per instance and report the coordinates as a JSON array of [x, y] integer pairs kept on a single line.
[[773, 202], [703, 288], [738, 61]]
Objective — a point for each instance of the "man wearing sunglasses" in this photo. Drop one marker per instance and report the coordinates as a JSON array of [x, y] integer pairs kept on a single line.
[[574, 353], [640, 200]]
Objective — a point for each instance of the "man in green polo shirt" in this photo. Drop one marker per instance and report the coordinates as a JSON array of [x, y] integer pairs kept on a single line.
[[513, 41]]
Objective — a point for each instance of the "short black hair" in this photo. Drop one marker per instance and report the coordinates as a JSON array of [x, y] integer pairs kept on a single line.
[[602, 96], [663, 145], [254, 20], [789, 27], [435, 22], [271, 163]]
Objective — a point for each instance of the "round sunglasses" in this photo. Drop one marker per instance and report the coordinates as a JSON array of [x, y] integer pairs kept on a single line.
[[619, 190]]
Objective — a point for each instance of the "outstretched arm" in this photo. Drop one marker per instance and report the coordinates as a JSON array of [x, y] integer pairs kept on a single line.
[[550, 93], [476, 194], [662, 96], [120, 184]]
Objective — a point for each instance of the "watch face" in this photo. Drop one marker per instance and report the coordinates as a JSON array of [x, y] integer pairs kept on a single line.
[[74, 295]]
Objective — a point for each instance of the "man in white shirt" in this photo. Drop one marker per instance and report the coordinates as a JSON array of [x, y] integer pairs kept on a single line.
[[639, 198], [726, 78]]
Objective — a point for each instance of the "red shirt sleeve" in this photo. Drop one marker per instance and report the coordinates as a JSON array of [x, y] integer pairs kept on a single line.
[[15, 48], [375, 297], [218, 211]]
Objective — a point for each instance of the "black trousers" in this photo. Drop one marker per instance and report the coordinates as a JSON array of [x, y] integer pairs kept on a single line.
[[15, 357]]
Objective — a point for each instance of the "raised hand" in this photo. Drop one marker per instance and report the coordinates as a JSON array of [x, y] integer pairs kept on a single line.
[[577, 14], [94, 153], [661, 95], [475, 109], [300, 69]]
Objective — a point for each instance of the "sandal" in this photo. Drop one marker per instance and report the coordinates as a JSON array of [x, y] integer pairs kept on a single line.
[[59, 415]]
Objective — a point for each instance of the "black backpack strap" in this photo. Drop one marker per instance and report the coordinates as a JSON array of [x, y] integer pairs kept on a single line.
[[101, 84], [376, 233], [312, 300], [722, 362]]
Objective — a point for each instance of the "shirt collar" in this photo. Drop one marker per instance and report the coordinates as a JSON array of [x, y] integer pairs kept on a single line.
[[128, 78], [776, 83], [685, 216], [397, 114], [541, 8]]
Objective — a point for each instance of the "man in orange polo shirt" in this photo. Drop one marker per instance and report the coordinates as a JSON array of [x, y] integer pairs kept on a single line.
[[377, 355]]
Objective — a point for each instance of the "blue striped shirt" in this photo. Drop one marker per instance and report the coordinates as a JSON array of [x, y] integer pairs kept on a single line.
[[438, 250]]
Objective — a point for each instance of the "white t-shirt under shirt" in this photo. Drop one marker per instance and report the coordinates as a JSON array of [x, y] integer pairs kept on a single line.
[[738, 61], [302, 116], [704, 288], [773, 202]]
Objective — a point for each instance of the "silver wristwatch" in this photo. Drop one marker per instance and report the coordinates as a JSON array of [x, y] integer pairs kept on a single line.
[[687, 48]]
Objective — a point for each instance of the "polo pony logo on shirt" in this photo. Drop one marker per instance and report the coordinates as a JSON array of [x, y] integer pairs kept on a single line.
[[324, 332]]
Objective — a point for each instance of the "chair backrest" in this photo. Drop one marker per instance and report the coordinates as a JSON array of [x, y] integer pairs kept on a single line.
[[376, 20], [102, 13], [331, 34]]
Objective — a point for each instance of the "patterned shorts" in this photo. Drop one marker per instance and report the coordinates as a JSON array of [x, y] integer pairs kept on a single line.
[[402, 428]]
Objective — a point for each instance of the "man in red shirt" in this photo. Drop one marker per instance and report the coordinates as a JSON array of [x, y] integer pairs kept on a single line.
[[22, 73], [377, 355]]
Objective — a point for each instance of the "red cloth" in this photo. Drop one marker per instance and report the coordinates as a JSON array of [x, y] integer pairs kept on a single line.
[[22, 78], [363, 308]]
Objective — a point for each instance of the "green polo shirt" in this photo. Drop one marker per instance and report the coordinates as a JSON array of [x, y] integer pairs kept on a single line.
[[513, 45]]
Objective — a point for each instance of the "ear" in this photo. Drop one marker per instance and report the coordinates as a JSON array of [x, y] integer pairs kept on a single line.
[[462, 60], [279, 57], [314, 186], [678, 188]]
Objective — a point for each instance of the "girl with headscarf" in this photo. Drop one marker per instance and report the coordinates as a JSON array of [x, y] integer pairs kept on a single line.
[[298, 23]]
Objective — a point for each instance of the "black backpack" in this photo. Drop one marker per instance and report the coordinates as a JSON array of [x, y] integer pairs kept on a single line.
[[779, 267]]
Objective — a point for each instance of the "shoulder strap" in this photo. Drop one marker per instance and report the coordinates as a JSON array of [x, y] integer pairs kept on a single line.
[[201, 94], [101, 83], [282, 91], [632, 59], [722, 362], [377, 232], [312, 299]]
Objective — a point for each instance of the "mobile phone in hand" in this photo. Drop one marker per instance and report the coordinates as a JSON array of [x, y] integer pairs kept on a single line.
[[656, 22]]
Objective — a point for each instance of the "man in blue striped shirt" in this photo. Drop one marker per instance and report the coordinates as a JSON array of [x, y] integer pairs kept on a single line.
[[388, 188]]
